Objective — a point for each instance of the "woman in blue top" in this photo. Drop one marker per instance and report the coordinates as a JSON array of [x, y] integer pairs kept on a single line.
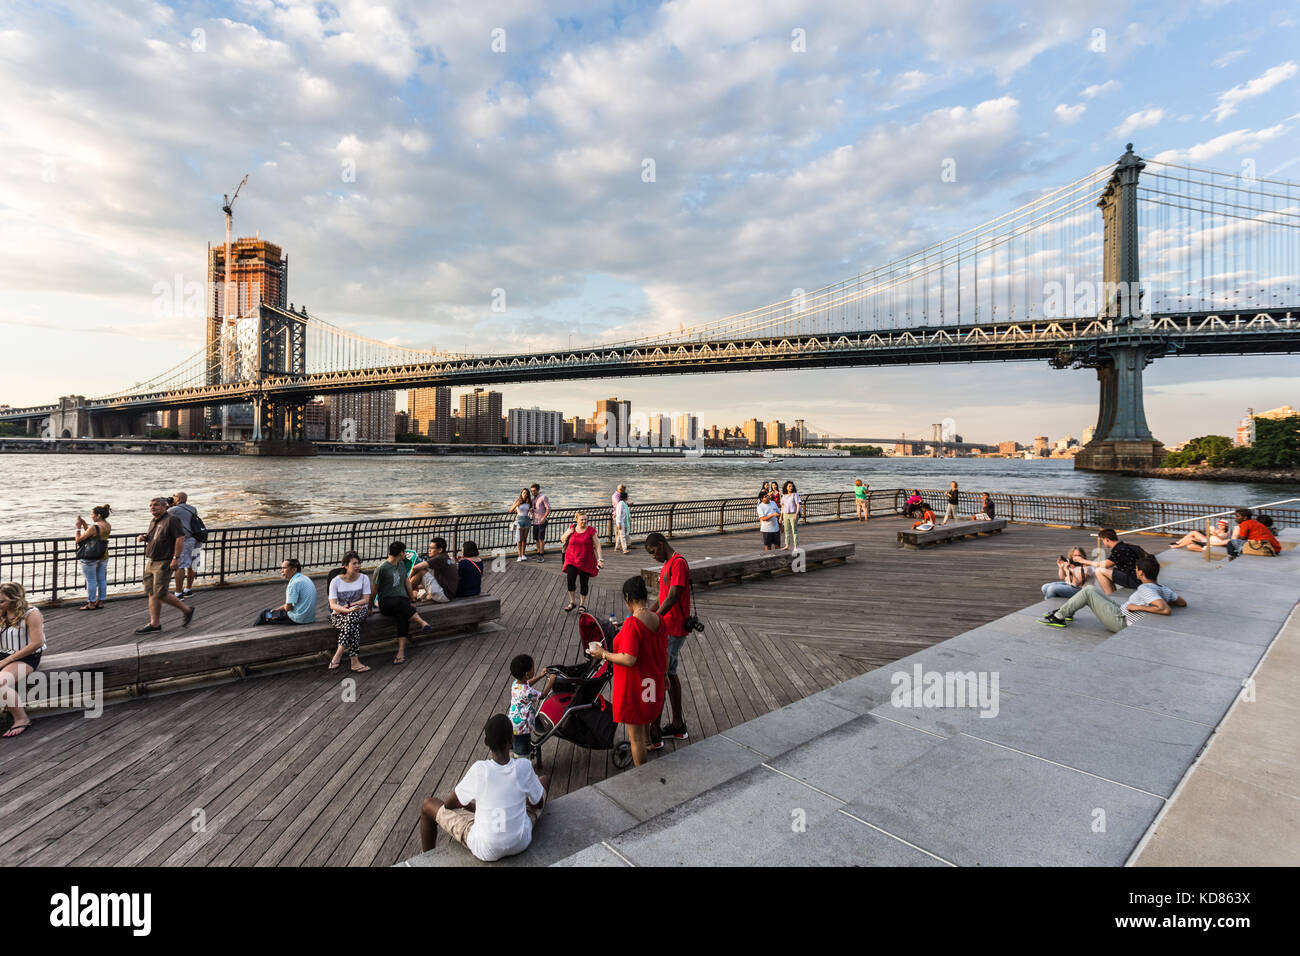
[[522, 506]]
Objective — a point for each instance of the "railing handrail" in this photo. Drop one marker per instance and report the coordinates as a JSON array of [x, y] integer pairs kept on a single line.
[[1216, 514]]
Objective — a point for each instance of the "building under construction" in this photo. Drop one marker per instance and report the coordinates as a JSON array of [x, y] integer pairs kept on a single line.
[[260, 275]]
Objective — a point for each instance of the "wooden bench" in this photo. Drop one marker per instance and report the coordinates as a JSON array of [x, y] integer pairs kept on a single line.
[[951, 532], [734, 568], [136, 665]]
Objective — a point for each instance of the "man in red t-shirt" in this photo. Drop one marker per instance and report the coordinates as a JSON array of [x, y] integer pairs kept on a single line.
[[673, 604], [1250, 529]]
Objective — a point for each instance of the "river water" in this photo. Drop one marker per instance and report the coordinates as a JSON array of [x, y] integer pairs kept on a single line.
[[41, 494]]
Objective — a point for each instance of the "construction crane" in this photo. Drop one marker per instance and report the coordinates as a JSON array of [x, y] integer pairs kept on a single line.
[[230, 305]]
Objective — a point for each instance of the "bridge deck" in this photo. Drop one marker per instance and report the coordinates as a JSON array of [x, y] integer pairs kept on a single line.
[[285, 772]]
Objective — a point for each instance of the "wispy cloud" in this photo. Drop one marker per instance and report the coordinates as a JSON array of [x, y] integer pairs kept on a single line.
[[1231, 99], [1097, 89], [1069, 114], [1227, 58]]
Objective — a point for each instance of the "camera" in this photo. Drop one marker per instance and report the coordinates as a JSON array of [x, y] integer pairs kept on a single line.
[[170, 501], [693, 623]]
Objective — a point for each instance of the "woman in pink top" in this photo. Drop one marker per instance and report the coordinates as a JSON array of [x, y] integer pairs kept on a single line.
[[582, 558]]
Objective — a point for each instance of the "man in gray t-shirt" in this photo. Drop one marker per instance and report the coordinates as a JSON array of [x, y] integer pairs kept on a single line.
[[184, 512]]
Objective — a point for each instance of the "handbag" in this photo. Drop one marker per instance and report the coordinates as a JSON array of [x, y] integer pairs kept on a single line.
[[92, 549], [1263, 549]]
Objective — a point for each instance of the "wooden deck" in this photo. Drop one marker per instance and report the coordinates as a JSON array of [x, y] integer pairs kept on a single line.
[[281, 770]]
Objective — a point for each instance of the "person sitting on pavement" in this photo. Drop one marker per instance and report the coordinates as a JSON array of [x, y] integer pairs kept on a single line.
[[299, 605], [437, 576], [1195, 540], [1252, 536], [1149, 598], [493, 809], [1118, 568], [1073, 571]]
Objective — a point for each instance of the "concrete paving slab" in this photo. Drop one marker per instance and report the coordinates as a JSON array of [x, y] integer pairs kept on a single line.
[[1162, 688], [859, 695], [597, 855], [1131, 746], [976, 804], [1197, 620], [776, 732], [854, 756], [670, 780], [1209, 654], [762, 818], [568, 824]]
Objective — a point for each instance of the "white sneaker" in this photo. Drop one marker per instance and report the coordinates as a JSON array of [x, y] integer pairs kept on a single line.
[[517, 560]]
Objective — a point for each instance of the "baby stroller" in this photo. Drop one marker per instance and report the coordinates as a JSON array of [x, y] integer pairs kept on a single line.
[[576, 710]]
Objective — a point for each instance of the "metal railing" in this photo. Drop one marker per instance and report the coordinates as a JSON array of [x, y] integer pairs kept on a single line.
[[49, 570]]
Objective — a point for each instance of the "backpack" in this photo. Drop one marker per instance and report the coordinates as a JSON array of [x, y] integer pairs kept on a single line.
[[198, 529]]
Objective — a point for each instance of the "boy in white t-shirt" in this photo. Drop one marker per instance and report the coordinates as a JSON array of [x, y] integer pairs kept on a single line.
[[493, 808]]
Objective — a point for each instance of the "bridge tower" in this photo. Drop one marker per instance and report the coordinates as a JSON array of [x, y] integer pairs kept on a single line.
[[1121, 440], [279, 427]]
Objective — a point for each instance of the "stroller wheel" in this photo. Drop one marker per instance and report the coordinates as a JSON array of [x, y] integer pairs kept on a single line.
[[622, 755]]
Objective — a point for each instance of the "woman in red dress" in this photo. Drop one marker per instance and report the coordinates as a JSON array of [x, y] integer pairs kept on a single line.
[[640, 659], [581, 557]]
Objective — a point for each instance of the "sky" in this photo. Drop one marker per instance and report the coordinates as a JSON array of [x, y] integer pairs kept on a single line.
[[412, 158]]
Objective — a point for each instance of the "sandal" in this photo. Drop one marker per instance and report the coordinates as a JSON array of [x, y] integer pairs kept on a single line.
[[399, 660], [334, 665], [17, 729], [582, 609], [361, 670], [569, 607], [86, 607]]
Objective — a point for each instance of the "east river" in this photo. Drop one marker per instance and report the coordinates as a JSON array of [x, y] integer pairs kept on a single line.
[[41, 494]]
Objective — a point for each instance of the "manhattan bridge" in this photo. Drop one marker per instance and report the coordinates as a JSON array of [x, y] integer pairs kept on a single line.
[[1138, 260]]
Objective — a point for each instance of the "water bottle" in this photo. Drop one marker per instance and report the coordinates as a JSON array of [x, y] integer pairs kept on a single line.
[[613, 623]]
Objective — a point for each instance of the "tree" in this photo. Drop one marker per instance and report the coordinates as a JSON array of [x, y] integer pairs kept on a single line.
[[1277, 445], [1207, 448]]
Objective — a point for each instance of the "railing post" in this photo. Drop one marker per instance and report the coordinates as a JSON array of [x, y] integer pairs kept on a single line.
[[1081, 524], [722, 517], [1011, 507], [352, 537], [671, 509], [221, 561], [1208, 526], [54, 575], [838, 498]]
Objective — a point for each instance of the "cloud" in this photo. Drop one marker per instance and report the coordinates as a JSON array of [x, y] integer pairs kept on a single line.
[[1097, 89], [1069, 114], [1139, 120], [1238, 141], [1231, 99], [1227, 58]]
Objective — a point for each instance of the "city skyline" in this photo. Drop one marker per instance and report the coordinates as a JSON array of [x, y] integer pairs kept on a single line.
[[823, 168]]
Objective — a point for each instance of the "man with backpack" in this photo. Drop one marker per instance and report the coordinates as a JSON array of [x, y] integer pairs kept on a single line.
[[196, 533]]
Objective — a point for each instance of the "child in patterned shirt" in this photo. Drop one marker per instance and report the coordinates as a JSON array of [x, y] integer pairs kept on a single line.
[[525, 701]]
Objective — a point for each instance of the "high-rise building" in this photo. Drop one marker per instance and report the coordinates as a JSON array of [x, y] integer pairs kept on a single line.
[[687, 429], [661, 431], [362, 416], [1088, 433], [1040, 443], [402, 423], [260, 275], [188, 422], [1009, 448], [613, 421], [534, 426], [577, 428], [315, 421], [775, 433], [798, 434], [755, 433], [480, 418], [430, 410]]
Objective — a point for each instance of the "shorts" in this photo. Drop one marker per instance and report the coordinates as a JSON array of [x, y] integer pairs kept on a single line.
[[521, 530], [457, 823], [523, 745], [674, 649], [187, 554], [31, 660], [771, 537], [157, 576], [1122, 579], [539, 531]]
